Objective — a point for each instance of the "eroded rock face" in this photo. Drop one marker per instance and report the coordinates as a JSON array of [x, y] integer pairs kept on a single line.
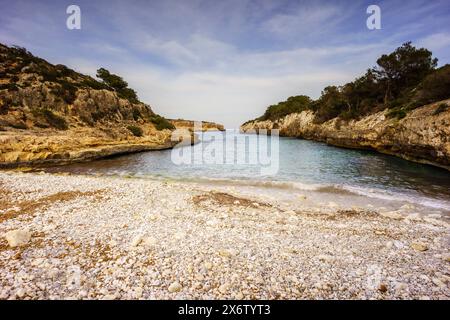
[[189, 124], [97, 126], [422, 136], [50, 114], [17, 238]]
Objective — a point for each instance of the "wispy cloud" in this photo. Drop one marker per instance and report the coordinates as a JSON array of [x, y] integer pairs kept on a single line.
[[224, 60]]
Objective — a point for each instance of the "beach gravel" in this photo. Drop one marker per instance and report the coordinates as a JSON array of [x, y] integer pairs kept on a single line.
[[86, 237]]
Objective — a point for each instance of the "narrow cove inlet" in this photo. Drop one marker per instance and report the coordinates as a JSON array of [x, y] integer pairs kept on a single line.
[[225, 156]]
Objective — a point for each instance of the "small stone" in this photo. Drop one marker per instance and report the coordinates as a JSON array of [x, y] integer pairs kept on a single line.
[[392, 215], [175, 287], [20, 293], [413, 217], [438, 282], [225, 253], [138, 291], [301, 197], [419, 246], [382, 287], [401, 287], [17, 238], [398, 244], [239, 296], [136, 241], [208, 265], [224, 288], [326, 258], [149, 242]]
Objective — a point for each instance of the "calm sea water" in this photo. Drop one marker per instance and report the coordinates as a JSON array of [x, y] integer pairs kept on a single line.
[[304, 167]]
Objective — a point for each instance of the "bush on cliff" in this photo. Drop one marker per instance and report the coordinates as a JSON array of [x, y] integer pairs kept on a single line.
[[441, 108], [54, 120], [117, 84], [435, 87], [161, 123], [136, 131], [291, 105], [402, 80]]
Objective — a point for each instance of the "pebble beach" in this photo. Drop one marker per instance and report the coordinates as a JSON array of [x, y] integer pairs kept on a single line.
[[87, 237]]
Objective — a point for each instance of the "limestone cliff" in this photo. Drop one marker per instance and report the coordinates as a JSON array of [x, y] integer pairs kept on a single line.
[[422, 136], [206, 125], [50, 114]]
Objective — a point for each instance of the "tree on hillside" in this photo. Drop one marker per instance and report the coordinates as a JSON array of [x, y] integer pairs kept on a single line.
[[403, 68], [291, 105], [330, 104], [114, 81], [119, 85]]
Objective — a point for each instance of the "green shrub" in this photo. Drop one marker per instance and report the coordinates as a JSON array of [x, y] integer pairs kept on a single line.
[[49, 74], [51, 118], [65, 91], [396, 113], [441, 108], [136, 114], [136, 131], [435, 87], [118, 84], [87, 118], [94, 84], [18, 125], [99, 115], [161, 123], [291, 105], [9, 86], [129, 94]]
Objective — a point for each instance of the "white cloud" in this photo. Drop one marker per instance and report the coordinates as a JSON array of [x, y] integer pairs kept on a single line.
[[224, 61], [435, 41], [305, 19]]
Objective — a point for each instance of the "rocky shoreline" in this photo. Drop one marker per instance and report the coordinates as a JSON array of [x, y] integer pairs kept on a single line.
[[52, 115], [80, 237], [421, 136]]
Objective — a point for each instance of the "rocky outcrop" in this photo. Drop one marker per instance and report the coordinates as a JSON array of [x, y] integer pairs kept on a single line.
[[422, 136], [206, 126], [50, 114]]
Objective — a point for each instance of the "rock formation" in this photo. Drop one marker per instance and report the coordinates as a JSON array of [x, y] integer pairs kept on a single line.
[[422, 136], [50, 114]]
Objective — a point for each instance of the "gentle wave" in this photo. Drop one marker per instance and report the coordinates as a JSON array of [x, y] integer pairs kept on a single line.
[[323, 188]]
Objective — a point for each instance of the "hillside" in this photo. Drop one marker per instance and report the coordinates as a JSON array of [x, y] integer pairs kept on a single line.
[[401, 81], [400, 107], [50, 114]]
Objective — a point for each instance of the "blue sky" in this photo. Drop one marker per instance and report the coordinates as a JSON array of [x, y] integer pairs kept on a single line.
[[224, 61]]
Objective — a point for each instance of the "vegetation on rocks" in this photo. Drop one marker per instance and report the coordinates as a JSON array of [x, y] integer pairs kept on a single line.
[[36, 94], [401, 81], [135, 130], [118, 85], [161, 123]]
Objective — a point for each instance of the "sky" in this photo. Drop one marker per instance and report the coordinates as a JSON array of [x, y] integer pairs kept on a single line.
[[224, 61]]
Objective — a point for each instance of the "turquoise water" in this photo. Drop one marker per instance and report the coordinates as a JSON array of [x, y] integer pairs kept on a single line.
[[304, 166]]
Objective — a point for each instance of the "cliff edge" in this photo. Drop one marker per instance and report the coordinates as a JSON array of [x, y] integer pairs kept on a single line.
[[50, 114], [423, 135]]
